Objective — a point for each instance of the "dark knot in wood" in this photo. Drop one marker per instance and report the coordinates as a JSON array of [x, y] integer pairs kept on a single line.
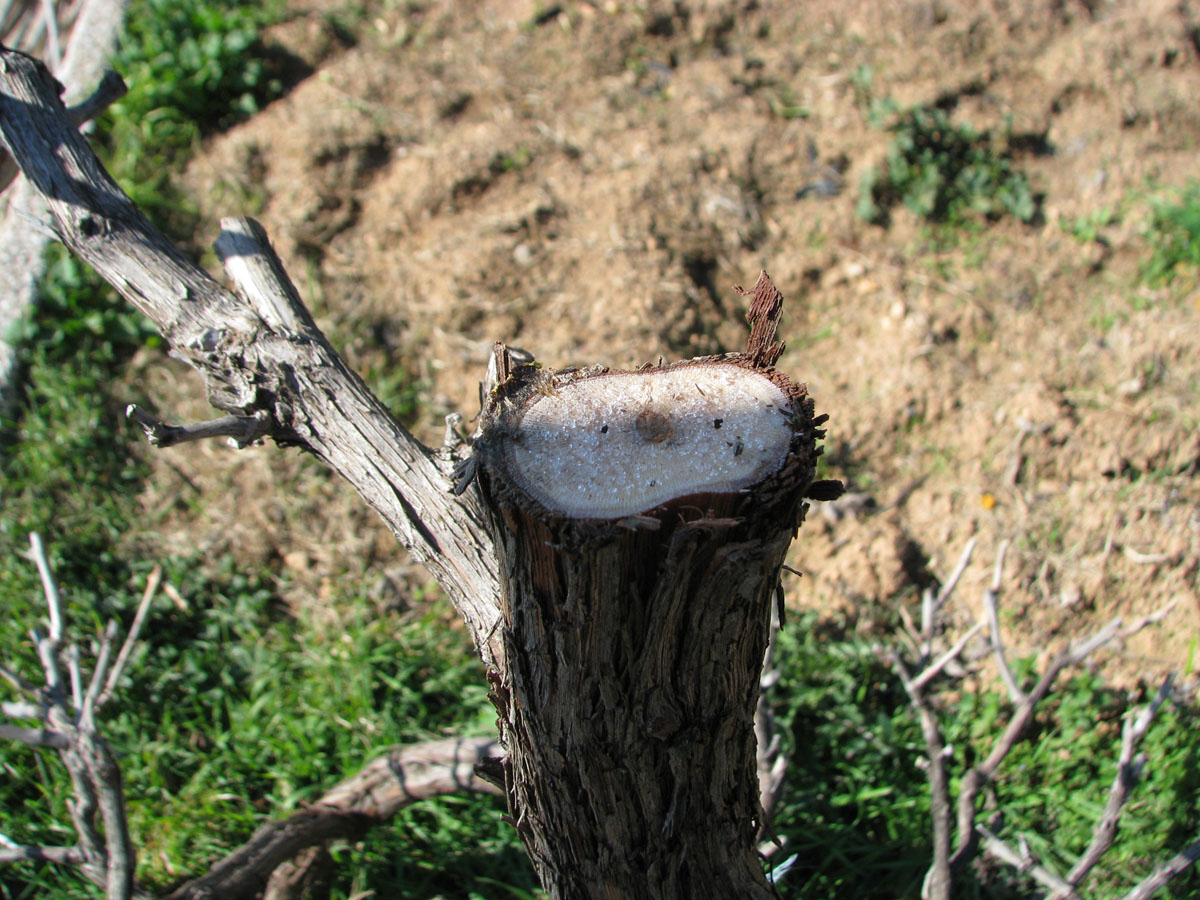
[[654, 427]]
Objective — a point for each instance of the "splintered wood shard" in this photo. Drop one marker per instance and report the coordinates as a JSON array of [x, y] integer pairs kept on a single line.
[[612, 445], [766, 306]]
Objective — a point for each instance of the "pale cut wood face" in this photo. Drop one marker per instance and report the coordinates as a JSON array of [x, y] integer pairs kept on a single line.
[[617, 444]]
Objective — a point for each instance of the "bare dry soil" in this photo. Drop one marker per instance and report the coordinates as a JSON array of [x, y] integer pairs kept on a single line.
[[588, 180]]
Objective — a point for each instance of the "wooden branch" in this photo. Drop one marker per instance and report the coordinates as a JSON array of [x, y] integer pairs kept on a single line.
[[1158, 879], [935, 668], [997, 848], [69, 856], [110, 89], [771, 761], [372, 796], [978, 776], [260, 354], [242, 430], [938, 879], [104, 854], [37, 551], [135, 629], [1129, 772], [991, 598], [766, 306], [35, 737]]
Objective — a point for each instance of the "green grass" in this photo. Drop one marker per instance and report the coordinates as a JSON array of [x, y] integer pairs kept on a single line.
[[1174, 236], [944, 172], [192, 67], [856, 816]]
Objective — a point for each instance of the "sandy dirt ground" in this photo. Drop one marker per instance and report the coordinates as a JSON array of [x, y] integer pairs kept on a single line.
[[588, 180]]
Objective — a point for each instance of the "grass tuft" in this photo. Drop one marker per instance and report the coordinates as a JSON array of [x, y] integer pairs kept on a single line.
[[944, 173]]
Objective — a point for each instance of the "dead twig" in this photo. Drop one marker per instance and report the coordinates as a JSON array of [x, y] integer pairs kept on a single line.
[[241, 430], [1129, 770], [1176, 865], [991, 597], [104, 853], [374, 795], [1023, 862], [979, 776], [771, 760]]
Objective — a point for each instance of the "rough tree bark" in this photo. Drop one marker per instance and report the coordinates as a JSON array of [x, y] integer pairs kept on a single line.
[[615, 556]]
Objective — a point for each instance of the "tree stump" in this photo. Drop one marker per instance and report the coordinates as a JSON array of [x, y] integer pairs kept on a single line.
[[641, 521]]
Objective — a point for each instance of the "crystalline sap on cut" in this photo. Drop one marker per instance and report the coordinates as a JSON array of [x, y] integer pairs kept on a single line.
[[613, 445]]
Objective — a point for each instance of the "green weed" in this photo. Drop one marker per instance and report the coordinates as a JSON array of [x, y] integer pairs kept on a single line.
[[1174, 235], [944, 173]]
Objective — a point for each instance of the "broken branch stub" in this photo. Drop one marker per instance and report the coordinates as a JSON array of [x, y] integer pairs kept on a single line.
[[641, 519]]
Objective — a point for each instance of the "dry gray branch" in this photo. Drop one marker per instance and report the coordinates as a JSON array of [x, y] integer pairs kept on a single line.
[[1159, 878], [771, 760], [259, 353], [104, 853], [991, 598], [938, 880], [1022, 862], [978, 776], [374, 795], [1129, 770], [241, 430], [131, 637], [971, 836]]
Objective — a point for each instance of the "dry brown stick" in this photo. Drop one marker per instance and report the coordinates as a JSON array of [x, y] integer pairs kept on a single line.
[[372, 796]]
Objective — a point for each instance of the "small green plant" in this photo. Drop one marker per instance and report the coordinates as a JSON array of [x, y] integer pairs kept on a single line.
[[1174, 235], [514, 161], [944, 173], [1087, 228]]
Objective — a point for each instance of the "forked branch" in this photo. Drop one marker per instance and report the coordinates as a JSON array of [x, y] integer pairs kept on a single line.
[[972, 836], [66, 715], [260, 353]]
